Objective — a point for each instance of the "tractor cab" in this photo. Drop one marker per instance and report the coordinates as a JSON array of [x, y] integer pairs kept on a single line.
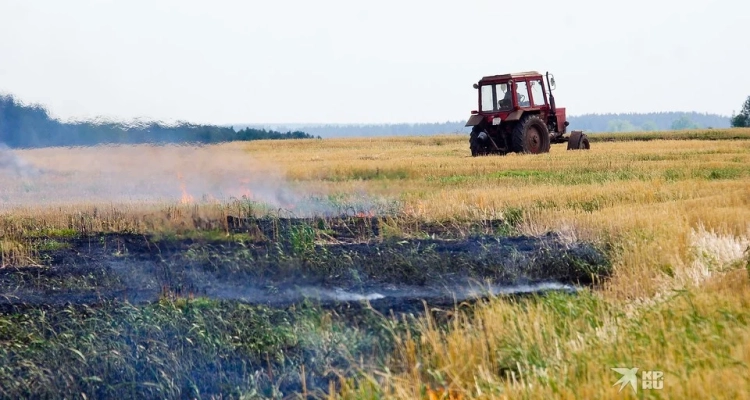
[[510, 95]]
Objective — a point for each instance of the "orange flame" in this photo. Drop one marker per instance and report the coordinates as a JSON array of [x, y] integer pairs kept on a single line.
[[243, 191], [435, 394], [186, 197]]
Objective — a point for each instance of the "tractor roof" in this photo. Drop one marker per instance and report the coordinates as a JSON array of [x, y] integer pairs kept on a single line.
[[511, 76]]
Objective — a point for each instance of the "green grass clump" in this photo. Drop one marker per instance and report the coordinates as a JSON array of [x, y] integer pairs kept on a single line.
[[367, 174], [52, 233]]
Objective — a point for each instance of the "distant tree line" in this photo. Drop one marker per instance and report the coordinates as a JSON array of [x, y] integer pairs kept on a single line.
[[367, 130], [659, 121], [27, 126], [742, 120], [31, 126]]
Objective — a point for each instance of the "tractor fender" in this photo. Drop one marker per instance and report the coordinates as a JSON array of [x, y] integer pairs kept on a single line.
[[515, 115], [474, 120]]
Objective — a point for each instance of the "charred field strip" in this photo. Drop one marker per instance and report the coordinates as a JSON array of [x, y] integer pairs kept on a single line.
[[269, 306], [278, 262]]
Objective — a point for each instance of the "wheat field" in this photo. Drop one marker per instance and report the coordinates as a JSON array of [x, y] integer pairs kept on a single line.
[[675, 214]]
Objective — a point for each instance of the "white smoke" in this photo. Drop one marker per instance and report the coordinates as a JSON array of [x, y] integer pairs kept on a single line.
[[15, 166], [189, 174]]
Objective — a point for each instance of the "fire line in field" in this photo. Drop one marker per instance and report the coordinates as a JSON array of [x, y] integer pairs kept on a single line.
[[186, 197]]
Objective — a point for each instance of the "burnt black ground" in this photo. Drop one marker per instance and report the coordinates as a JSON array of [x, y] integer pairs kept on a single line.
[[279, 262]]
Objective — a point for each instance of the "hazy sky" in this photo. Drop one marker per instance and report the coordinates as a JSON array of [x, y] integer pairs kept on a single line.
[[375, 61]]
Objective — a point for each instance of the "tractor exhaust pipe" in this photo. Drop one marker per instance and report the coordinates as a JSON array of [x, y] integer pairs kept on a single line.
[[553, 108], [552, 118]]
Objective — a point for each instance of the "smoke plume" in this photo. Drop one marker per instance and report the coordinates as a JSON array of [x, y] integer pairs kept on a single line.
[[186, 174], [13, 165]]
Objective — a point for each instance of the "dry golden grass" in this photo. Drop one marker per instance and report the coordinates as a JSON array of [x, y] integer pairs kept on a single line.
[[677, 214]]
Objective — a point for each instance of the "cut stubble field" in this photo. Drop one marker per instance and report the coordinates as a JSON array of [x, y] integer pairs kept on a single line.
[[671, 218]]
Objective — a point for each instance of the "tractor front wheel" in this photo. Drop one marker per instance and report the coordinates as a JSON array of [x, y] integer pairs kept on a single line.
[[475, 144], [530, 135]]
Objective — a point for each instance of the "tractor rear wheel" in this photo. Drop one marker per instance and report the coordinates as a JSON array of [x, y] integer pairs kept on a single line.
[[530, 135]]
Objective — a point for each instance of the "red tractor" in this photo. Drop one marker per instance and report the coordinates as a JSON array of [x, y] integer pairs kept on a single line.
[[517, 114]]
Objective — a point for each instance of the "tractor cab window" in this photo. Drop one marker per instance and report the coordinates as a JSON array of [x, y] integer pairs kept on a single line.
[[522, 91], [537, 94], [504, 97], [487, 98], [496, 97]]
